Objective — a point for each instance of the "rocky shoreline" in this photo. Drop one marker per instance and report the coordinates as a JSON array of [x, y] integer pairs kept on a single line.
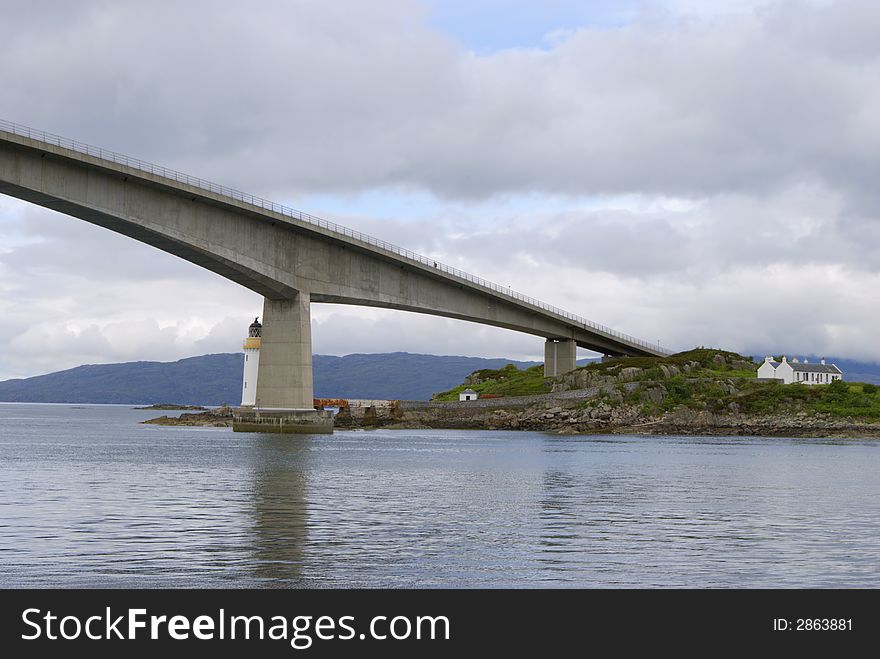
[[629, 420], [568, 419]]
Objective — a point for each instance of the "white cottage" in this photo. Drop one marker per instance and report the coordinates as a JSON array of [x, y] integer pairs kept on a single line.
[[797, 372], [468, 394]]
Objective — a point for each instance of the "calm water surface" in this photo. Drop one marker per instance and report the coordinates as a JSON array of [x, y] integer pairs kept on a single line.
[[89, 497]]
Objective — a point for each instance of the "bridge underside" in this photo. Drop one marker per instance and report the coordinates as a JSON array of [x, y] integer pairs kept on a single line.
[[290, 262]]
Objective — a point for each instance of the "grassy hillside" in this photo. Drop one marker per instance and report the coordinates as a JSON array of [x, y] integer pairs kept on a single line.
[[702, 379], [507, 381], [840, 399], [510, 381]]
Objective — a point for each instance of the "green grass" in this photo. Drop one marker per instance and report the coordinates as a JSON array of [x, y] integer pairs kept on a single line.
[[703, 356], [846, 399], [507, 381], [735, 373], [510, 381], [839, 399]]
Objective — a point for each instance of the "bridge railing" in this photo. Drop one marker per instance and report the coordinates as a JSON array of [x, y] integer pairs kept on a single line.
[[180, 177]]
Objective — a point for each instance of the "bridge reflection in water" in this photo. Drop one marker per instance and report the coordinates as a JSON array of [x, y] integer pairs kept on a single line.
[[280, 511]]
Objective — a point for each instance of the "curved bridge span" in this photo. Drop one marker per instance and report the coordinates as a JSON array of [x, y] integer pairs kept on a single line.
[[289, 257]]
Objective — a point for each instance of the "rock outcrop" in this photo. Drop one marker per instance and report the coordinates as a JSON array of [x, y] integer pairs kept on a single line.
[[214, 418]]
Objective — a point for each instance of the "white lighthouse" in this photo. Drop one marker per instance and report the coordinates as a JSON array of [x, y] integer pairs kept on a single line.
[[251, 364]]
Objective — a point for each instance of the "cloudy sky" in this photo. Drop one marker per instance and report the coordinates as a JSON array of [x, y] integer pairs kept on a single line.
[[690, 175]]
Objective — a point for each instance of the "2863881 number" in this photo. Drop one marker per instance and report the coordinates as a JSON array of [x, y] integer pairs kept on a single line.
[[823, 624]]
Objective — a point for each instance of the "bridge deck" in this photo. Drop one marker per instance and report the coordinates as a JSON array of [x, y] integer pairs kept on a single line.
[[620, 341]]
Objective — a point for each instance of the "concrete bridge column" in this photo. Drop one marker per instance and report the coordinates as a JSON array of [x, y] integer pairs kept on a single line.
[[284, 381], [284, 399], [560, 356]]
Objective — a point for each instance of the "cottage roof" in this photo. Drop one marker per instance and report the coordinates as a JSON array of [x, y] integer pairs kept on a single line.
[[815, 368], [809, 367], [468, 391]]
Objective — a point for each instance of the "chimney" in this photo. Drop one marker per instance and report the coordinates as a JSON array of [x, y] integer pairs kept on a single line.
[[823, 361], [783, 359], [768, 359], [794, 360], [806, 361]]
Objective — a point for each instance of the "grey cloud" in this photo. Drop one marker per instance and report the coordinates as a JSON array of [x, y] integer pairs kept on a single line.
[[349, 96], [800, 226], [62, 245]]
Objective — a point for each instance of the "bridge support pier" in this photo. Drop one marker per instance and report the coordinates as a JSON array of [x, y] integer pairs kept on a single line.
[[284, 380], [560, 356], [285, 397]]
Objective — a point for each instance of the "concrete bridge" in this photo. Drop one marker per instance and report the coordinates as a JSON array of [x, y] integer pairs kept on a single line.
[[291, 258]]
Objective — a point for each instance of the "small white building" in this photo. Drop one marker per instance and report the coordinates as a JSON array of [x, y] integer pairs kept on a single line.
[[468, 394], [251, 364], [797, 372]]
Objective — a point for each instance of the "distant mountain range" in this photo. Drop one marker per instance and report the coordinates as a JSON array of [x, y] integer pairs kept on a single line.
[[216, 379]]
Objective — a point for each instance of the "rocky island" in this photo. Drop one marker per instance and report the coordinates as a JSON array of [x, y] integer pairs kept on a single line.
[[701, 392], [214, 418]]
